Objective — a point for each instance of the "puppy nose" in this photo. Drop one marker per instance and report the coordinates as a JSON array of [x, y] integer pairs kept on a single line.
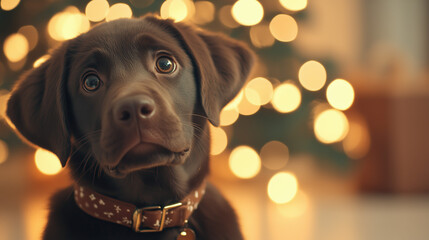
[[140, 107]]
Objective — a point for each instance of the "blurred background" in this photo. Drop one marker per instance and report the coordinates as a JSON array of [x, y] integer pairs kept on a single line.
[[327, 140]]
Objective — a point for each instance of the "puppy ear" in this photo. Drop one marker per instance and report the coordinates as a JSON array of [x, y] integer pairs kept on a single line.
[[222, 64], [37, 106]]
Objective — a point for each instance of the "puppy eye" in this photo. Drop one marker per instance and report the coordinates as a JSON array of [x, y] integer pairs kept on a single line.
[[91, 83], [165, 65]]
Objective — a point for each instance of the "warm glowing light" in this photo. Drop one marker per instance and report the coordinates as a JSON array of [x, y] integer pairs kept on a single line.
[[244, 162], [119, 10], [282, 187], [8, 5], [68, 24], [247, 108], [225, 17], [4, 151], [228, 116], [31, 34], [47, 162], [286, 98], [331, 126], [40, 60], [219, 140], [96, 10], [247, 12], [312, 75], [178, 10], [340, 94], [204, 12], [259, 91], [16, 47], [4, 97], [294, 5], [284, 28], [357, 142], [295, 208], [260, 35], [274, 155]]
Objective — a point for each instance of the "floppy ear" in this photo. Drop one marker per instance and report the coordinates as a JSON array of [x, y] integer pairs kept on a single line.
[[37, 106], [222, 64]]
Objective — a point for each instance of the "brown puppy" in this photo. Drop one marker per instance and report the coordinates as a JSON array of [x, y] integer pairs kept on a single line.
[[126, 105]]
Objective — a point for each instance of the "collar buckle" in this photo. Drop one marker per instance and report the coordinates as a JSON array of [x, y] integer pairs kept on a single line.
[[138, 214]]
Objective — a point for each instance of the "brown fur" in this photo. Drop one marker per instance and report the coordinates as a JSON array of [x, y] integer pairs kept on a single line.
[[143, 160]]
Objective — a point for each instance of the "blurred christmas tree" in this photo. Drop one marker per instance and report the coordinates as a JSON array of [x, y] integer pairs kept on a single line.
[[282, 110]]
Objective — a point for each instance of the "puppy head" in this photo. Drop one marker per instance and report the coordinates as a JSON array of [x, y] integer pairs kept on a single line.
[[127, 92]]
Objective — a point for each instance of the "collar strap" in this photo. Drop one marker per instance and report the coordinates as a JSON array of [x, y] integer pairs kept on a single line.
[[146, 219]]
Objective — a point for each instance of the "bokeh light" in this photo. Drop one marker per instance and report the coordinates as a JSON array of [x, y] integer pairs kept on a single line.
[[331, 126], [245, 107], [228, 116], [282, 187], [259, 91], [47, 162], [204, 12], [4, 151], [340, 94], [41, 60], [68, 24], [119, 10], [284, 28], [225, 17], [357, 142], [286, 98], [16, 47], [219, 140], [260, 35], [31, 34], [247, 12], [312, 75], [96, 10], [244, 162], [178, 10], [274, 155], [294, 5], [8, 5]]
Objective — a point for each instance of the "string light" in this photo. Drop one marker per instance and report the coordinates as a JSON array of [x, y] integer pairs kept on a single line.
[[357, 142], [15, 47], [247, 12], [340, 94], [284, 28], [312, 75], [286, 98], [294, 5], [228, 116], [331, 126], [47, 162], [260, 35], [119, 10], [244, 162], [282, 187]]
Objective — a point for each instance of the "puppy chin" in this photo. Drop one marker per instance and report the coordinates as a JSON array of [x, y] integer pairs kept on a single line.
[[143, 157]]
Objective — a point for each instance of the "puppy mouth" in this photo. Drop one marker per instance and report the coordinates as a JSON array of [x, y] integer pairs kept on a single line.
[[144, 156]]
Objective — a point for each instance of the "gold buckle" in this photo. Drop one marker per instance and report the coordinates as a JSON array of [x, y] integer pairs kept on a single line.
[[137, 217]]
